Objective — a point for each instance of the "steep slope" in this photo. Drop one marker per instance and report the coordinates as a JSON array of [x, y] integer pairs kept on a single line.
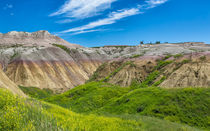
[[42, 60], [6, 83], [189, 70], [52, 67], [194, 73]]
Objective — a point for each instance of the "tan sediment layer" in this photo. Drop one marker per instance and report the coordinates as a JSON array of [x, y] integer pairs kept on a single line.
[[55, 75], [6, 83]]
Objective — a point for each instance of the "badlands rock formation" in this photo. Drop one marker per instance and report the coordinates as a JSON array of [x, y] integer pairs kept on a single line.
[[189, 66], [39, 38], [6, 83], [43, 60]]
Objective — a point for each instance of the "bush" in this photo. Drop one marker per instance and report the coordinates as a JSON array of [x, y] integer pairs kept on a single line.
[[203, 58]]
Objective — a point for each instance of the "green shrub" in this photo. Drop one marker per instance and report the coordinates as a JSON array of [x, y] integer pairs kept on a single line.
[[203, 58], [178, 55], [185, 61]]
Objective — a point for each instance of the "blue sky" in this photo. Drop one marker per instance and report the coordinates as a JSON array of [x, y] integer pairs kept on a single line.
[[110, 22]]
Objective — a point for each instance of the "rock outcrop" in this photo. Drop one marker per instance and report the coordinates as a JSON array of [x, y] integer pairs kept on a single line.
[[174, 71], [39, 38]]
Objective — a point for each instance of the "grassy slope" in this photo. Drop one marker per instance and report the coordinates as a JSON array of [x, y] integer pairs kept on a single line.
[[189, 105], [88, 97], [25, 114], [35, 92]]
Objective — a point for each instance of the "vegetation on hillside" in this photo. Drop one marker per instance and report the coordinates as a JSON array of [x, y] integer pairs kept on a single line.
[[63, 47], [189, 105], [27, 114], [89, 97], [142, 106], [35, 92], [106, 79]]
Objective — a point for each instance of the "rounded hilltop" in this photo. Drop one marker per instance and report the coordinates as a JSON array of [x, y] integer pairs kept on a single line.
[[40, 38]]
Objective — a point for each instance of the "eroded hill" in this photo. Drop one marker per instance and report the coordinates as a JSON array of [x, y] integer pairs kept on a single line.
[[168, 71], [43, 60]]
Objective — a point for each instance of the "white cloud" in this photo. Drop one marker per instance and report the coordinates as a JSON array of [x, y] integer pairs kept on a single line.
[[76, 9], [8, 6], [154, 3], [88, 31], [111, 19], [80, 9]]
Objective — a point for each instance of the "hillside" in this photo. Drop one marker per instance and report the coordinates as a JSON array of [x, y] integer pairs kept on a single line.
[[188, 106], [168, 71], [28, 114], [6, 83], [46, 61]]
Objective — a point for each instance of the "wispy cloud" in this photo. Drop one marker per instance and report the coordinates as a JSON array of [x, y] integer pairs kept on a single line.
[[88, 31], [80, 9], [111, 19], [8, 6], [154, 3]]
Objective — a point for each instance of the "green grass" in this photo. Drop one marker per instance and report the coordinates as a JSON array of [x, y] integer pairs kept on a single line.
[[18, 114], [187, 106], [27, 114], [35, 92], [136, 56], [178, 55], [88, 97], [63, 47]]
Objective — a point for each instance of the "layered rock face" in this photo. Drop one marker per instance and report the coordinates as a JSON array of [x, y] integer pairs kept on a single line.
[[6, 83], [42, 60], [50, 67], [186, 67], [43, 64], [195, 73]]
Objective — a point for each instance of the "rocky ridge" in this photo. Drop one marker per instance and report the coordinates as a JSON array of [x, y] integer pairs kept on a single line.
[[39, 38]]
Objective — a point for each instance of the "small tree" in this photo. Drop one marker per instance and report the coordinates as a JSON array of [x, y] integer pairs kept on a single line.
[[157, 42], [141, 42]]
